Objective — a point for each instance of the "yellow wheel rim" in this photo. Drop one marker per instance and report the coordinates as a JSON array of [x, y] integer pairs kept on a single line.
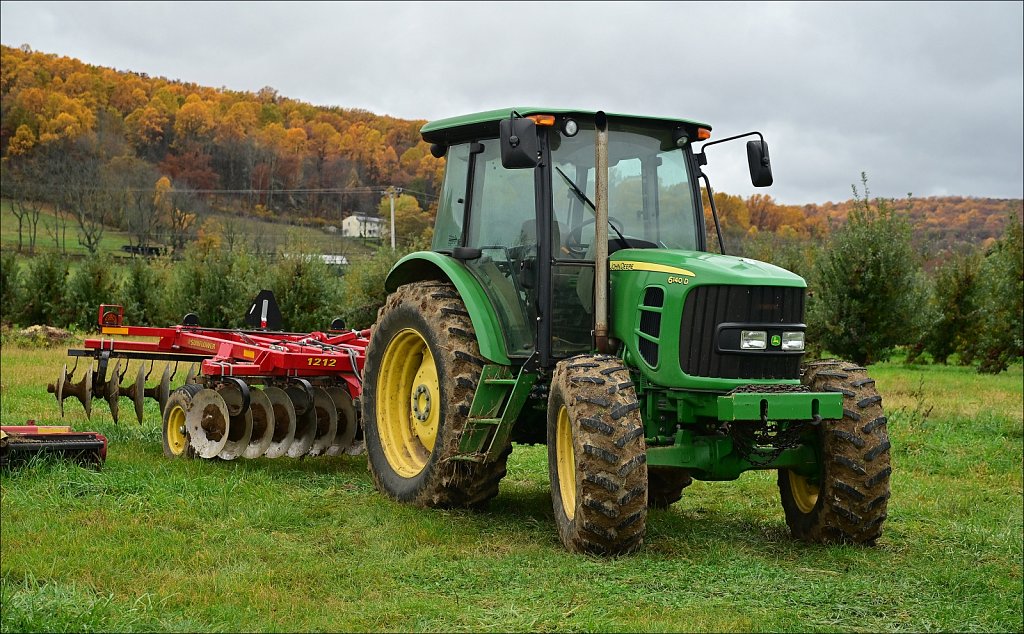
[[176, 439], [804, 493], [408, 403], [566, 463]]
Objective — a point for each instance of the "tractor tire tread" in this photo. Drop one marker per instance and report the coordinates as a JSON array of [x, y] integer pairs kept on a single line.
[[855, 474], [610, 455], [447, 483]]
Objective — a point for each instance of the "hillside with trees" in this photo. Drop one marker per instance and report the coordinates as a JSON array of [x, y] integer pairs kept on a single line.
[[153, 155], [104, 147]]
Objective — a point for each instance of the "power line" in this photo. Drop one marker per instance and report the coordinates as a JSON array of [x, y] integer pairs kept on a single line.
[[327, 190]]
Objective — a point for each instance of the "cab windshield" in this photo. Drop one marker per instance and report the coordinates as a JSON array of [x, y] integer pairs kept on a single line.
[[650, 199]]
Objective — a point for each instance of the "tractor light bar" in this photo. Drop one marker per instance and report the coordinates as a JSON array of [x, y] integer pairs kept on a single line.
[[793, 341], [543, 119], [753, 340]]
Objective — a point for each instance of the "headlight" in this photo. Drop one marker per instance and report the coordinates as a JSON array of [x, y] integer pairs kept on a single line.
[[793, 341], [753, 340]]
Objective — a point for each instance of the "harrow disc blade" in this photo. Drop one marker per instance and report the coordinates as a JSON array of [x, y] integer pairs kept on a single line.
[[305, 434], [191, 376], [326, 422], [207, 423], [112, 390], [164, 389], [347, 422], [241, 420], [81, 391], [58, 388], [239, 434], [302, 400], [137, 392], [263, 424], [284, 422]]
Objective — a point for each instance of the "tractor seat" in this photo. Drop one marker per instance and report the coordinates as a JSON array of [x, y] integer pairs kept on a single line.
[[528, 233], [615, 244]]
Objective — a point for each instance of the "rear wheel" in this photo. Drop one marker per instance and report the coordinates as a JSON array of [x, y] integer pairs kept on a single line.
[[597, 457], [422, 369], [847, 500]]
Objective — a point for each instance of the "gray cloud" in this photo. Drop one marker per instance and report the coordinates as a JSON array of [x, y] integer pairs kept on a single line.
[[926, 97]]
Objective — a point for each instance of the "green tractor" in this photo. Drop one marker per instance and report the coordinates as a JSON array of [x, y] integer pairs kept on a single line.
[[570, 299]]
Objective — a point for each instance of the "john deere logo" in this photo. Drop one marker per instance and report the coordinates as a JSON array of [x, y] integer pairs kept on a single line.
[[776, 341]]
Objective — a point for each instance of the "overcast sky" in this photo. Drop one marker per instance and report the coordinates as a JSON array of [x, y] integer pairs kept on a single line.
[[926, 97]]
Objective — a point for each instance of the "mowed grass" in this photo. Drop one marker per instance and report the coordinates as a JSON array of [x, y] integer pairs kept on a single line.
[[304, 545]]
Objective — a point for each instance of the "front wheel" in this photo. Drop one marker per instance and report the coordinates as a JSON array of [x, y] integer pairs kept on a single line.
[[597, 458], [846, 500]]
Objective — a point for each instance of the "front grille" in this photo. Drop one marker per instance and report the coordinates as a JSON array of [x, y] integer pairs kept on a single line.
[[708, 306], [650, 324]]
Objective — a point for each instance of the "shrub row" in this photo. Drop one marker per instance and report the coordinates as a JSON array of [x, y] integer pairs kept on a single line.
[[869, 293], [218, 285]]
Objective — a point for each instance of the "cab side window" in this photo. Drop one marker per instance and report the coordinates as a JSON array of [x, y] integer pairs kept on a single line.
[[503, 202], [452, 206]]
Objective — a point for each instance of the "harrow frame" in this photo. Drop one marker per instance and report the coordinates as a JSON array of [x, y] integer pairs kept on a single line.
[[226, 352], [214, 414]]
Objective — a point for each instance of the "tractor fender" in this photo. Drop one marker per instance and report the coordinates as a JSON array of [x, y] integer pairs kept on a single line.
[[427, 265]]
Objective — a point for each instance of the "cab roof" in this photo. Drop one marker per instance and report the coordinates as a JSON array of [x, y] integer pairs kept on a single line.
[[486, 123]]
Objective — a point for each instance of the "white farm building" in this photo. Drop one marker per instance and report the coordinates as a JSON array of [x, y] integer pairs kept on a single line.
[[359, 226]]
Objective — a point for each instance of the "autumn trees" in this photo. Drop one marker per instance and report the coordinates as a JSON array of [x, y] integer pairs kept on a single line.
[[233, 150]]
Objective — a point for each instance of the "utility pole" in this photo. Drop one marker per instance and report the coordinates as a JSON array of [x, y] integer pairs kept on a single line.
[[392, 191]]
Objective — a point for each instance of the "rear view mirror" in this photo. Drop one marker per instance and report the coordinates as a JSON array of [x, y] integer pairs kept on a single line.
[[760, 164], [520, 147]]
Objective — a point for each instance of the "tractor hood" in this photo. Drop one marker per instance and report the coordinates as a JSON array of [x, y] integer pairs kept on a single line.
[[671, 266], [676, 342]]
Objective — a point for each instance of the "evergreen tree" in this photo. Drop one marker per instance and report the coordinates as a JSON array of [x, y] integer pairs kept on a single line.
[[869, 297], [997, 337]]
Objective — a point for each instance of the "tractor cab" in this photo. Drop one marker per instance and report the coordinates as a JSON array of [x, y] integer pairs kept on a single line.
[[518, 210]]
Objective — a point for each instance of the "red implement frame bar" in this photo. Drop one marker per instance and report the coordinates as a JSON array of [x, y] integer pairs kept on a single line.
[[251, 354]]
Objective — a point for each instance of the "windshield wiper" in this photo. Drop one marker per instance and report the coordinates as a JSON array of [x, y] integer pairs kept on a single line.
[[584, 198]]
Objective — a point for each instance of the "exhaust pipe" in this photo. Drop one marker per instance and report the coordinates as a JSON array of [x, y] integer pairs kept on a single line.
[[601, 233]]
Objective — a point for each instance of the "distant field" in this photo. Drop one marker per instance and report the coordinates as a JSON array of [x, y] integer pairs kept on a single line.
[[287, 545], [269, 236], [110, 243]]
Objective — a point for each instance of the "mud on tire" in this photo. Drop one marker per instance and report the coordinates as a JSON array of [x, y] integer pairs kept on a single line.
[[434, 311], [849, 501], [599, 486]]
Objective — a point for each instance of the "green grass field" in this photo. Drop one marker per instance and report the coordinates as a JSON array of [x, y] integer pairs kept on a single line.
[[289, 545], [110, 242]]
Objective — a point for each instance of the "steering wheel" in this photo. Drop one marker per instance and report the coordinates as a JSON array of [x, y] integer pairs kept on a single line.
[[575, 235]]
